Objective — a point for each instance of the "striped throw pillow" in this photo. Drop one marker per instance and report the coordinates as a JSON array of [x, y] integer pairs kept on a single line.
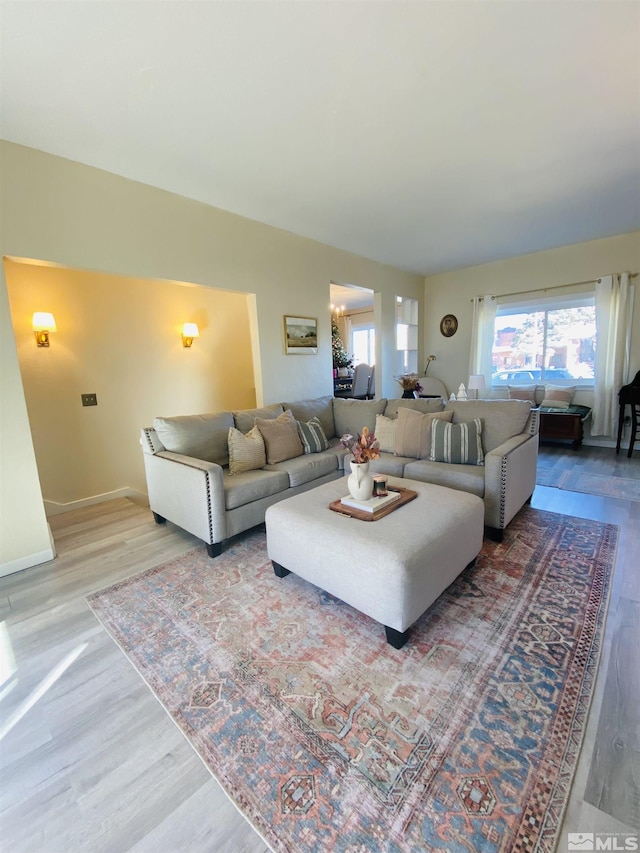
[[457, 443], [246, 452], [312, 436]]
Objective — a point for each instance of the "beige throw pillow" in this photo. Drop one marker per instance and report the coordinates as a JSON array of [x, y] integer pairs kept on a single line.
[[246, 452], [558, 396], [413, 432], [523, 392], [281, 439], [386, 433]]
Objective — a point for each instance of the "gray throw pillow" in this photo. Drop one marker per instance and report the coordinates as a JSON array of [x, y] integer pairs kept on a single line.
[[460, 444], [312, 436]]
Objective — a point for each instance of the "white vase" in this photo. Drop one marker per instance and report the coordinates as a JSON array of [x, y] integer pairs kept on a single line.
[[360, 481]]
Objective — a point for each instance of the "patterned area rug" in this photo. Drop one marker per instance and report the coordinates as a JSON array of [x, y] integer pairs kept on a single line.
[[590, 484], [328, 739]]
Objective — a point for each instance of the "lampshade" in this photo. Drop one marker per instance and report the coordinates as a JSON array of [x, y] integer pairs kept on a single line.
[[43, 320], [477, 382], [190, 330]]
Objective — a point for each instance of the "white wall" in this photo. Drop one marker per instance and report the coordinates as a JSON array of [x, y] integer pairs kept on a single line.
[[61, 212], [451, 293]]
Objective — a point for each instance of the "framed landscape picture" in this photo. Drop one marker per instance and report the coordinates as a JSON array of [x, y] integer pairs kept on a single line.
[[300, 335]]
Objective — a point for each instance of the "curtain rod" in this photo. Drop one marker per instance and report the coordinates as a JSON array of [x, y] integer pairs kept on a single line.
[[554, 287]]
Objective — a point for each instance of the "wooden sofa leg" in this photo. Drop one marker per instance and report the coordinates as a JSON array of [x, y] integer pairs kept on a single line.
[[159, 519], [496, 534], [215, 549]]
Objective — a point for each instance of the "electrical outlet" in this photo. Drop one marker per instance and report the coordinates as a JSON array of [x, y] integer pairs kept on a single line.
[[89, 399]]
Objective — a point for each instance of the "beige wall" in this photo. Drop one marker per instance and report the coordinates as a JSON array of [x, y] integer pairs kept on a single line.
[[120, 338], [64, 213], [450, 293]]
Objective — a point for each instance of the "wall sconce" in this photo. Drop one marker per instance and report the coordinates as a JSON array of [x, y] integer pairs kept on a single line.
[[189, 332], [42, 324], [477, 383]]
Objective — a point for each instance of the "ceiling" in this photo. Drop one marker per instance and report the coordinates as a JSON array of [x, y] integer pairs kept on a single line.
[[426, 135]]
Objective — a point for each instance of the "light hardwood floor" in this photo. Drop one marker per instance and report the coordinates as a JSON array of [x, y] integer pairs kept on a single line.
[[93, 763]]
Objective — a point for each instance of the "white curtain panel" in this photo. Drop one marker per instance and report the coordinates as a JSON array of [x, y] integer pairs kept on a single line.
[[482, 333], [614, 307]]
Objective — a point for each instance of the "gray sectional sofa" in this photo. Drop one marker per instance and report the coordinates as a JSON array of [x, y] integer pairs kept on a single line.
[[189, 482]]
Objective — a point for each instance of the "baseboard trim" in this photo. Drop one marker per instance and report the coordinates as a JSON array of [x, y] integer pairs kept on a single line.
[[28, 561], [56, 508]]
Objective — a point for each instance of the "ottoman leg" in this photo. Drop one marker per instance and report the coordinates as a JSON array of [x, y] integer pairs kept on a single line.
[[397, 639], [279, 570]]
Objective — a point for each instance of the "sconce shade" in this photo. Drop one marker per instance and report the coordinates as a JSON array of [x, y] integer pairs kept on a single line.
[[42, 320], [189, 332], [42, 324]]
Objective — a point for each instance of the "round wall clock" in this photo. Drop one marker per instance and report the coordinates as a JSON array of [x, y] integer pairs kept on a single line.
[[448, 325]]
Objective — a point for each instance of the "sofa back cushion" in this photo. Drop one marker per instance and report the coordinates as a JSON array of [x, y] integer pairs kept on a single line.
[[413, 433], [201, 436], [501, 419], [245, 419], [351, 415], [321, 408], [418, 404]]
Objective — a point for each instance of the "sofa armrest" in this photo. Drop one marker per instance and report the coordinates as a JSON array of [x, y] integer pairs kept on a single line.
[[188, 492], [510, 478]]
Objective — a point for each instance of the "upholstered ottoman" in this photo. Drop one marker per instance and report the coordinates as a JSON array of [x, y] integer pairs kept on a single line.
[[392, 569]]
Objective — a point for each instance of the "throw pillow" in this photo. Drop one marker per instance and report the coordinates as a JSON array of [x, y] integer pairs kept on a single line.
[[312, 436], [246, 451], [457, 443], [281, 439], [523, 392], [386, 433], [413, 432], [558, 396]]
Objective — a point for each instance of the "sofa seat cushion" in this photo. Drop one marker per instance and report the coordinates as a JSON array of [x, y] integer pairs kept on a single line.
[[200, 436], [501, 419], [465, 478], [321, 408], [304, 469], [389, 463], [241, 489]]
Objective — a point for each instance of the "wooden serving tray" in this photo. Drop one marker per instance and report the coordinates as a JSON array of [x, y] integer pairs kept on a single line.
[[406, 495]]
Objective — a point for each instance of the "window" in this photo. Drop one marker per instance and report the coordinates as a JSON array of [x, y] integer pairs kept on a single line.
[[406, 335], [545, 341], [363, 344]]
